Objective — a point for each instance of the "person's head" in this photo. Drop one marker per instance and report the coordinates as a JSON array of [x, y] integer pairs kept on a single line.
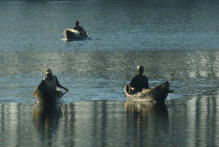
[[48, 72], [140, 69], [76, 23]]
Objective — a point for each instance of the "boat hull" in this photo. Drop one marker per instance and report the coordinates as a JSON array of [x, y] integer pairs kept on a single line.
[[73, 35], [157, 94]]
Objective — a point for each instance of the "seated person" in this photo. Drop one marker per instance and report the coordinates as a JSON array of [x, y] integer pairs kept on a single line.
[[79, 29], [138, 82]]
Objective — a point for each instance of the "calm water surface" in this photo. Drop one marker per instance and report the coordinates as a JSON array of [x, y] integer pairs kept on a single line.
[[174, 40]]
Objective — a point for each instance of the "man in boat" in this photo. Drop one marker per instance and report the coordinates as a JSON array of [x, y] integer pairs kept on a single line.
[[51, 82], [47, 89], [79, 29], [138, 82]]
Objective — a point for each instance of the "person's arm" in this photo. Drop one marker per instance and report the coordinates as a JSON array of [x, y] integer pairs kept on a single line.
[[59, 85], [146, 83], [133, 85], [82, 31], [133, 82]]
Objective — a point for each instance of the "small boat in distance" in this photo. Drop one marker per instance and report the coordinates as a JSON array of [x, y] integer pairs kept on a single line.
[[157, 94], [74, 35]]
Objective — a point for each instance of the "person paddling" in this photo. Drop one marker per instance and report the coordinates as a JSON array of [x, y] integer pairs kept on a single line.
[[47, 91], [51, 82], [79, 29], [138, 82]]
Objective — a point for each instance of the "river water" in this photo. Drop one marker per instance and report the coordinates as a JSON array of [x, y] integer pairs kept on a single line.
[[174, 40]]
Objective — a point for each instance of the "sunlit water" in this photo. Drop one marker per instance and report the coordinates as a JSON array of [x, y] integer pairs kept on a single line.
[[174, 40]]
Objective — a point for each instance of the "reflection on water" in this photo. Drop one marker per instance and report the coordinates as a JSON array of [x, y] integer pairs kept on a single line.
[[46, 122], [105, 123], [141, 110], [148, 121]]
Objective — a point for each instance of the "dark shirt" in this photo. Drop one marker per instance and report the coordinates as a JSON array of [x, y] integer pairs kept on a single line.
[[139, 82], [52, 82], [80, 29], [47, 88]]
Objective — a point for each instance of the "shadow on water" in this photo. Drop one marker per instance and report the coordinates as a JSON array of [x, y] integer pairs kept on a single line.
[[46, 121]]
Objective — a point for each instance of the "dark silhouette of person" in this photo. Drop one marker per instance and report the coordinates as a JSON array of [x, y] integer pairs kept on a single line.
[[139, 81], [79, 29], [51, 81], [47, 89]]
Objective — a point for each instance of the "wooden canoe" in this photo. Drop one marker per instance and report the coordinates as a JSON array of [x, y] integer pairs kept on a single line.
[[74, 35], [157, 94]]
